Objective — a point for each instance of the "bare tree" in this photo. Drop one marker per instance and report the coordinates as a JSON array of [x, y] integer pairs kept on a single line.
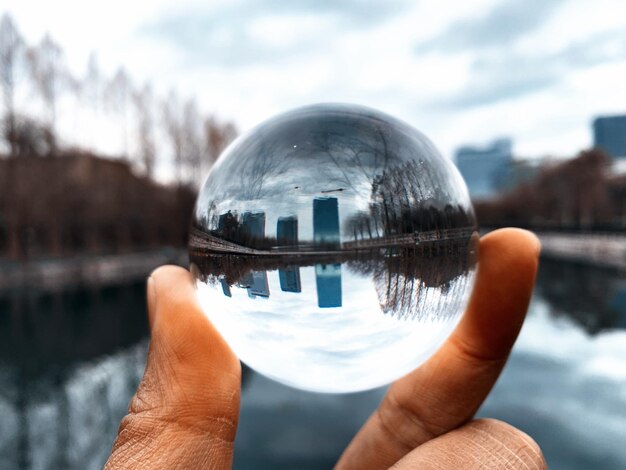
[[118, 93], [174, 129], [91, 92], [92, 81], [143, 101], [11, 44], [368, 156], [217, 136], [49, 75], [255, 172], [192, 141]]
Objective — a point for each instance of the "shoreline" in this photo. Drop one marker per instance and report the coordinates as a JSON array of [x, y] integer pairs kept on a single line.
[[606, 250], [87, 270], [600, 250]]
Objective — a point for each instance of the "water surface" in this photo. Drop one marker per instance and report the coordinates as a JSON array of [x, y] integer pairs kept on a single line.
[[70, 361]]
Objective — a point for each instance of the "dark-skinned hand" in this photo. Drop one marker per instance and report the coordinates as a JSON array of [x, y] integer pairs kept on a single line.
[[185, 411]]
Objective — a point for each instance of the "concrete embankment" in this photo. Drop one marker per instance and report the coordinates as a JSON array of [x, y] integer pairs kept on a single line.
[[57, 274], [608, 250], [601, 249]]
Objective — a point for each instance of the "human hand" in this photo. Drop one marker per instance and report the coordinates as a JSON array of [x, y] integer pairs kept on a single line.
[[185, 411]]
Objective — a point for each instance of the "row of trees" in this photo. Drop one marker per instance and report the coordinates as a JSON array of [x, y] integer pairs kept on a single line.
[[578, 194], [83, 204], [399, 205], [145, 122], [61, 193]]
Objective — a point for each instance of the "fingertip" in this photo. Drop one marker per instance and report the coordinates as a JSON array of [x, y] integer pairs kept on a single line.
[[173, 289], [509, 259], [169, 274], [177, 320], [512, 240]]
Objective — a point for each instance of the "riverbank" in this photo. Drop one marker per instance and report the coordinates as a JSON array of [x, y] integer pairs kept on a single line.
[[598, 249], [96, 271]]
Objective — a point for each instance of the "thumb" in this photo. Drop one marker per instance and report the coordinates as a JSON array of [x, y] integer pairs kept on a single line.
[[479, 444], [185, 411]]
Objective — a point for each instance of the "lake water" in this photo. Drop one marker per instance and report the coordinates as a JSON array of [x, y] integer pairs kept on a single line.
[[70, 361]]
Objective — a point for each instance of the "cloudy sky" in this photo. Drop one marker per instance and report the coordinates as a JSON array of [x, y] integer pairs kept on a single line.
[[537, 70]]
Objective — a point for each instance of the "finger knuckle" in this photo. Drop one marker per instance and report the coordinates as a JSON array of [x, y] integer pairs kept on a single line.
[[403, 423]]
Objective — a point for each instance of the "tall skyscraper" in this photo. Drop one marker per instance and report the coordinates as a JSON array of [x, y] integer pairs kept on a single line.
[[253, 226], [287, 231], [485, 169], [326, 234], [609, 134], [326, 221], [287, 235]]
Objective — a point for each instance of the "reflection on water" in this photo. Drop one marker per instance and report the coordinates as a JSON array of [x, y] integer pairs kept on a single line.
[[69, 361], [566, 389], [400, 271], [371, 232], [45, 330], [593, 297], [69, 366], [332, 307]]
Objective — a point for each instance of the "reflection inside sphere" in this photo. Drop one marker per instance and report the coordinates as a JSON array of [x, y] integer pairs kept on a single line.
[[334, 248]]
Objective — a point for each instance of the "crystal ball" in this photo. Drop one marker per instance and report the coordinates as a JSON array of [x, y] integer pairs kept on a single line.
[[333, 247]]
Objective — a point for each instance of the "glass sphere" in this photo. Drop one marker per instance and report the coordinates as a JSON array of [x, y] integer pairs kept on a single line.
[[333, 247]]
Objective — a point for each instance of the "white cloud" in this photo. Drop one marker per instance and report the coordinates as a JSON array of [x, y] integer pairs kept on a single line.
[[250, 60]]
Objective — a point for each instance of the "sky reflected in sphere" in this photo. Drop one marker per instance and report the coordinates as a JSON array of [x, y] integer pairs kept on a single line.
[[334, 248]]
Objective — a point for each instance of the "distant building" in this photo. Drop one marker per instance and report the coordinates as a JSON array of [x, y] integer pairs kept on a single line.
[[287, 231], [485, 169], [326, 221], [253, 224], [326, 233], [522, 171], [609, 134], [287, 235]]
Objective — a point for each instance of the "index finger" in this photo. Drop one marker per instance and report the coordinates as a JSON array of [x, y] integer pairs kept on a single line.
[[187, 405], [446, 391], [187, 353]]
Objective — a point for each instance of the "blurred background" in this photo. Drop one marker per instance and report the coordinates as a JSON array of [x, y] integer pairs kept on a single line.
[[112, 114]]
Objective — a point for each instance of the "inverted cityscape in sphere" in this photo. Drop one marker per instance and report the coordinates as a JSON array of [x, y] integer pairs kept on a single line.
[[334, 248]]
